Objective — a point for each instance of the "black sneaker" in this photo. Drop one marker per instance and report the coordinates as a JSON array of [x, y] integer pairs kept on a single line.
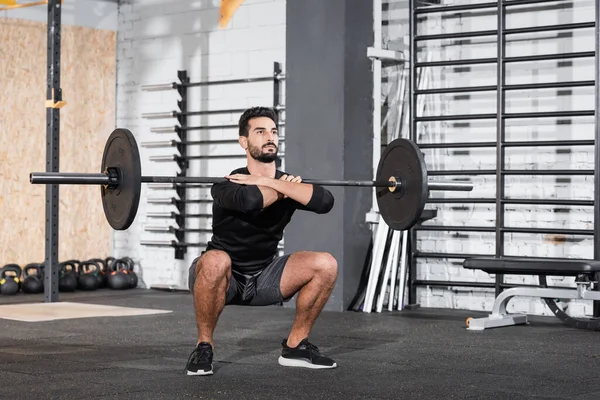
[[305, 355], [200, 361]]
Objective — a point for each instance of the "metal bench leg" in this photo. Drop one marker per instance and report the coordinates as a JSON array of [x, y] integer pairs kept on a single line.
[[499, 317]]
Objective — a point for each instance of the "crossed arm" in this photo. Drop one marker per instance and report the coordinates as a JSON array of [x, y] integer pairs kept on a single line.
[[251, 192]]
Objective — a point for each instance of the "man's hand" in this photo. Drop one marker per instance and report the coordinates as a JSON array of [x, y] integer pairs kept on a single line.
[[290, 178], [244, 179]]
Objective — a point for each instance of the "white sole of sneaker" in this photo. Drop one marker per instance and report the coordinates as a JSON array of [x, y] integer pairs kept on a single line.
[[286, 362], [199, 373]]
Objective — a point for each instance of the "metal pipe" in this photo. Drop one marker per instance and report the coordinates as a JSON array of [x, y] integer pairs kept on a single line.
[[522, 86], [452, 186], [164, 129], [513, 31], [596, 306], [158, 144], [549, 57], [157, 115], [376, 115], [159, 87], [64, 178]]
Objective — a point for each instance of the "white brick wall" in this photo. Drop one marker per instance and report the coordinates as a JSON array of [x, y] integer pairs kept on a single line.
[[155, 40], [579, 187]]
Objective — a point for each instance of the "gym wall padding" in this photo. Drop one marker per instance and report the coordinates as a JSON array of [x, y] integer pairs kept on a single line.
[[88, 80]]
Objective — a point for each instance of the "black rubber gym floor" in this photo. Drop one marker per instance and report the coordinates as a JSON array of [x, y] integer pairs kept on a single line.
[[423, 354]]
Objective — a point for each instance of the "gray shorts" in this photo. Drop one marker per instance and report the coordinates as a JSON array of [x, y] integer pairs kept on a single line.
[[260, 289]]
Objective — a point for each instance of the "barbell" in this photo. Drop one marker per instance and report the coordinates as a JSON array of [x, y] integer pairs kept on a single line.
[[402, 182]]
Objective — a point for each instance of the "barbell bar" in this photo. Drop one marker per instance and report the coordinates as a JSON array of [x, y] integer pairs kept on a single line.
[[68, 178], [401, 179]]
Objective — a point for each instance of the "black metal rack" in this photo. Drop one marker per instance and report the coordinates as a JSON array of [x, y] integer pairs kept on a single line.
[[183, 145], [53, 104], [500, 144]]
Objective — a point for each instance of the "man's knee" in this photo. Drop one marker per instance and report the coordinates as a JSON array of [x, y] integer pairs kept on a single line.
[[326, 265], [213, 266]]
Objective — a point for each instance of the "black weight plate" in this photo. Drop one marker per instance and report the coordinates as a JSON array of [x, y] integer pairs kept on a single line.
[[121, 203], [402, 208]]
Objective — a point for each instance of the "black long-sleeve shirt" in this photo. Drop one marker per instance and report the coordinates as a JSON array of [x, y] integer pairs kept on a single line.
[[246, 231]]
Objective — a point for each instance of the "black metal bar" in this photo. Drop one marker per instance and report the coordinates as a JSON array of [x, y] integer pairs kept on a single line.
[[460, 200], [456, 145], [540, 114], [476, 6], [191, 179], [527, 2], [455, 117], [547, 172], [549, 143], [176, 215], [548, 231], [465, 172], [53, 97], [455, 228], [549, 202], [455, 35], [211, 112], [549, 57], [233, 81], [452, 63], [420, 254], [412, 98], [548, 85], [551, 114], [596, 304], [176, 230], [532, 172], [424, 282], [523, 86], [453, 8], [535, 143], [173, 200], [550, 28], [182, 161], [493, 60], [276, 103], [466, 89], [500, 138], [215, 156]]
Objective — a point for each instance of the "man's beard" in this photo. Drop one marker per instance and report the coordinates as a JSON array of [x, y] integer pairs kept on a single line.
[[258, 155]]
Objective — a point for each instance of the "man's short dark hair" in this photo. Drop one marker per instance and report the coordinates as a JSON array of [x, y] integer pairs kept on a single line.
[[255, 112]]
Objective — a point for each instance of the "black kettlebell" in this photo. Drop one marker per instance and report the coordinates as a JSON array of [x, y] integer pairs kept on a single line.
[[10, 279], [118, 278], [33, 282], [88, 272], [67, 281], [101, 275], [133, 279]]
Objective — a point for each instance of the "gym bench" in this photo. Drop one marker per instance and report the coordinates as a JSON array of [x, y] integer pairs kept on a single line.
[[586, 273]]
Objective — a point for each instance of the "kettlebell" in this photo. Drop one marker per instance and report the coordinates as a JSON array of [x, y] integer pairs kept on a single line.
[[133, 279], [68, 276], [118, 278], [33, 282], [101, 275], [87, 279], [10, 283]]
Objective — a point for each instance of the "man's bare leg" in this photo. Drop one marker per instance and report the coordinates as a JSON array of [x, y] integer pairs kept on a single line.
[[213, 273], [312, 275]]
